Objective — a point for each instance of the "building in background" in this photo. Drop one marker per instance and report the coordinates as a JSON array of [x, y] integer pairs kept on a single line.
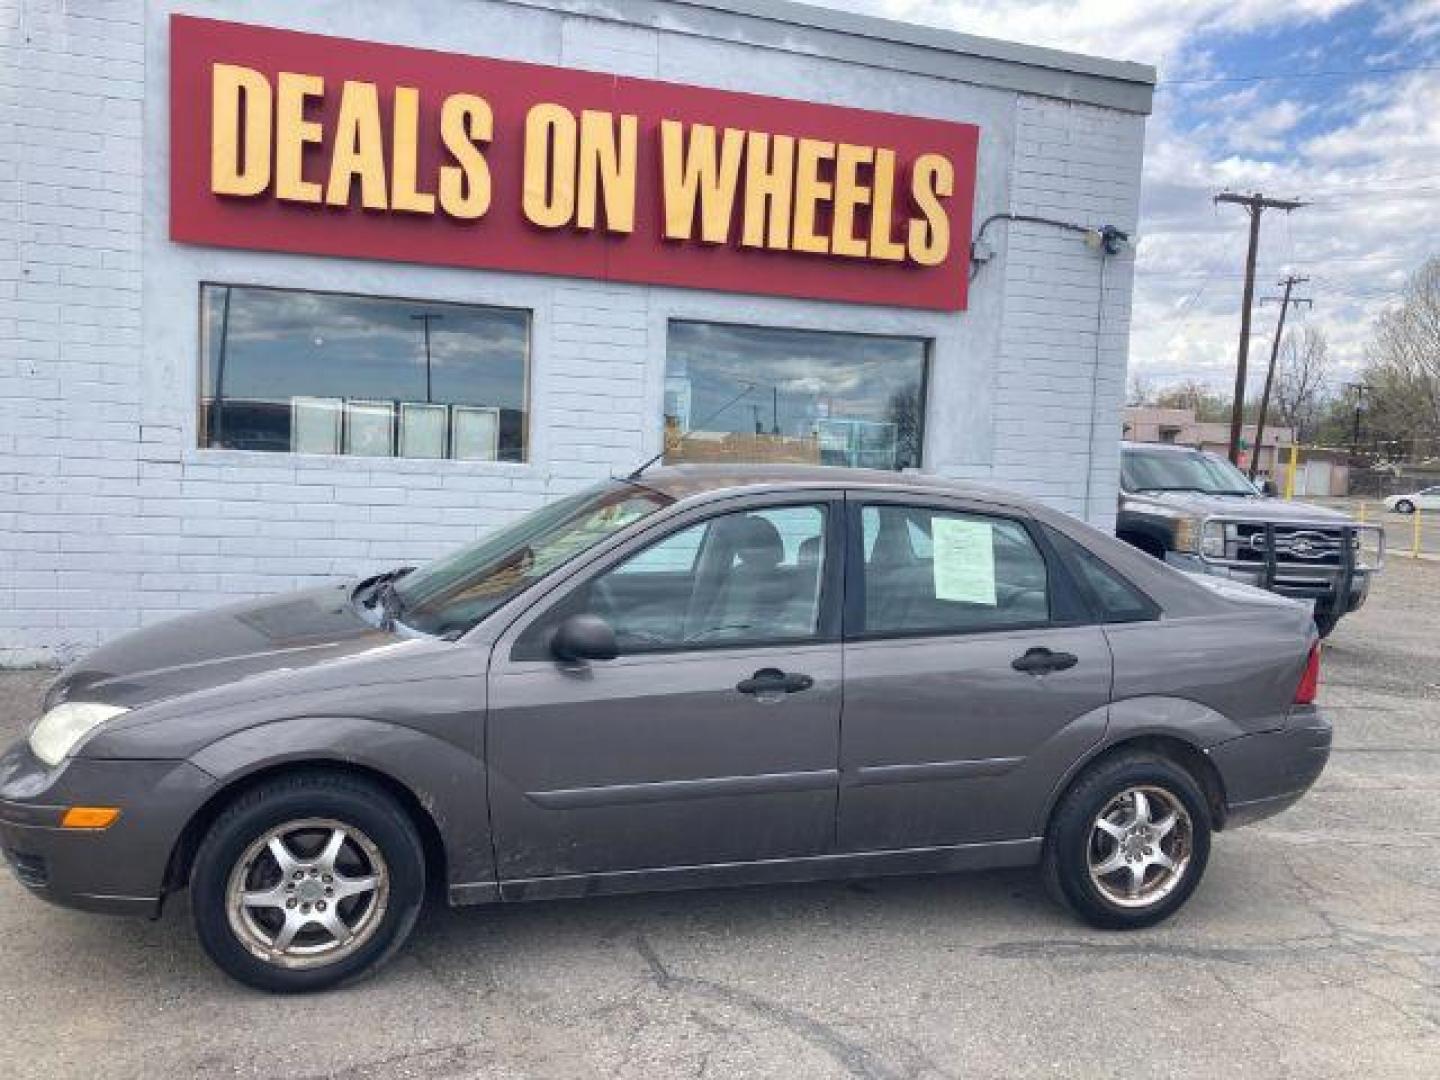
[[1154, 424], [280, 304]]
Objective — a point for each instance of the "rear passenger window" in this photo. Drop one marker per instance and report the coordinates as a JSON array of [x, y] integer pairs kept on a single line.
[[929, 571], [1117, 600]]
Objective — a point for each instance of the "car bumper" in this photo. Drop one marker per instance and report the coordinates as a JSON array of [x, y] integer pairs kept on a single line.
[[120, 869], [1318, 588], [1269, 771]]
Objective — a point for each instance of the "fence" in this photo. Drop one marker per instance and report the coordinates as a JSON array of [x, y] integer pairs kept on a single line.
[[1415, 535], [1333, 472]]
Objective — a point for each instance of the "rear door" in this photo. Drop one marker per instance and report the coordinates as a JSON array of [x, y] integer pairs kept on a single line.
[[713, 737], [973, 677]]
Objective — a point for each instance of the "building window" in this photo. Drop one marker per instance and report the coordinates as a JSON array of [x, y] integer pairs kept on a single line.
[[324, 373], [749, 393]]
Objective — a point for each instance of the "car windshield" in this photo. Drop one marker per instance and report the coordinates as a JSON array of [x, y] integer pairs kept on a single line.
[[1182, 470], [452, 594]]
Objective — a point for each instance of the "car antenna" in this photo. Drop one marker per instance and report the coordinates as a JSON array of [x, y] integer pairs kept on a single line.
[[666, 446]]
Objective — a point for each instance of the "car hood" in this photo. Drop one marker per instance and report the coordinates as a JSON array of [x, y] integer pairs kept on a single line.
[[205, 650], [1241, 507]]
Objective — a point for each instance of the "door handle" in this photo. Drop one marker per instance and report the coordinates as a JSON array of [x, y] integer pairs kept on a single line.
[[768, 681], [1039, 660]]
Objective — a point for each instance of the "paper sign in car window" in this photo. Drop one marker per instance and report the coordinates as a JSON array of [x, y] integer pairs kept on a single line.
[[964, 560]]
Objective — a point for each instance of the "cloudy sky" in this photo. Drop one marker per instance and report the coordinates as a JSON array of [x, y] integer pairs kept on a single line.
[[1332, 101]]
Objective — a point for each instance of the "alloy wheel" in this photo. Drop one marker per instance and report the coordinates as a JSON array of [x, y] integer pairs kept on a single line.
[[1140, 846], [308, 893]]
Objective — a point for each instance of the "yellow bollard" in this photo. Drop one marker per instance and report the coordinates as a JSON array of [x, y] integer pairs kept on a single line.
[[1415, 535], [1290, 472], [1362, 513]]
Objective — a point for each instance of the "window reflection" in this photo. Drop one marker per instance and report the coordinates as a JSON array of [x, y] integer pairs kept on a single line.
[[747, 393], [321, 373]]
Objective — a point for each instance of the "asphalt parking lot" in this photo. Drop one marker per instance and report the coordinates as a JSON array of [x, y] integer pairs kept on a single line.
[[1311, 949]]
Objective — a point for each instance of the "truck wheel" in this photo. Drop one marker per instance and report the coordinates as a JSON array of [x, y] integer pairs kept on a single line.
[[306, 882], [1326, 619], [1128, 842], [1405, 506], [1144, 543]]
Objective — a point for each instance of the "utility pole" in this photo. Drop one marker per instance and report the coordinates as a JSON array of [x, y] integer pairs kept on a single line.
[[425, 319], [1361, 389], [1255, 205], [1285, 301]]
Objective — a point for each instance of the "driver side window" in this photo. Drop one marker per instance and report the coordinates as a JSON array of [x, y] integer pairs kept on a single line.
[[745, 578]]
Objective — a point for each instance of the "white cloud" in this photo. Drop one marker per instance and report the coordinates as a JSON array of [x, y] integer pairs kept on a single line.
[[1142, 30], [1369, 161]]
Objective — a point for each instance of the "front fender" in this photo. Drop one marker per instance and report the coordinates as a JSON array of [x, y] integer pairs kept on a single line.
[[448, 783]]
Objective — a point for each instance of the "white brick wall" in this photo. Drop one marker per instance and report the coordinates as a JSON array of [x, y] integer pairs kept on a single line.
[[111, 517], [1060, 372]]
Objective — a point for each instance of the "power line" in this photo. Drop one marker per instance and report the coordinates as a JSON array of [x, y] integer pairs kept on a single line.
[[1346, 185], [1282, 76]]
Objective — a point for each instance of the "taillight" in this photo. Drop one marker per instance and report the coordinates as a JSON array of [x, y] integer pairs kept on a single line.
[[1310, 681]]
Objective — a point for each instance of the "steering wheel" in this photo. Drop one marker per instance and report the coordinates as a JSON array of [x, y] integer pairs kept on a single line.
[[701, 635]]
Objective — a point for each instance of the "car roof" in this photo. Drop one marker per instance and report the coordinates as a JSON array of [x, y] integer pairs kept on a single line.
[[1172, 448], [683, 481]]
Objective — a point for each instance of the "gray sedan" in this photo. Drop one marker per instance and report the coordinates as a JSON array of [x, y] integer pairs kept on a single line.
[[690, 678]]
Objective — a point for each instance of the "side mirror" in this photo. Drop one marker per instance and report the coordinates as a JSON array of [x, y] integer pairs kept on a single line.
[[1268, 488], [584, 637]]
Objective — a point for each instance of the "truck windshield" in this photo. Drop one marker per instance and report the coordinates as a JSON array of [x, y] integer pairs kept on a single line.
[[450, 595], [1182, 470]]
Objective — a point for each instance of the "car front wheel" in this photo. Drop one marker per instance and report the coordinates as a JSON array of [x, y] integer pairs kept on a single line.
[[1405, 506], [307, 882], [1128, 842]]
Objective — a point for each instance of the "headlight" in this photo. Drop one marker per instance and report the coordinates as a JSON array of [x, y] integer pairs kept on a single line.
[[1208, 538], [60, 730], [1187, 534]]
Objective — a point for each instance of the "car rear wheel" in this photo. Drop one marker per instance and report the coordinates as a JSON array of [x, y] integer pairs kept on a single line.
[[307, 882], [1405, 506], [1129, 841]]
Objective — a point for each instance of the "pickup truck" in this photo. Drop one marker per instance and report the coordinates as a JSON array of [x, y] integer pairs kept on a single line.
[[1198, 512]]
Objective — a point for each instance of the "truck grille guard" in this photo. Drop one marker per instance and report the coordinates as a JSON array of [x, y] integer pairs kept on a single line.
[[1342, 541]]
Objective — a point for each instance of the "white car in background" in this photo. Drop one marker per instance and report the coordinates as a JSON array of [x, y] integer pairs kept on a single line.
[[1424, 499]]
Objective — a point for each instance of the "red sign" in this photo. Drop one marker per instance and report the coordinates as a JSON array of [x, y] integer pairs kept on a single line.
[[283, 141]]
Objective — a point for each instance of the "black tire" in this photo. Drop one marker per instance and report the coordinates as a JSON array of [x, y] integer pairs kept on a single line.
[[355, 804], [1069, 843], [1326, 619], [1405, 506]]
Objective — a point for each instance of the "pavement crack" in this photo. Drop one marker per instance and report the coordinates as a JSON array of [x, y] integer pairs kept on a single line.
[[1054, 949], [856, 1059], [451, 1059]]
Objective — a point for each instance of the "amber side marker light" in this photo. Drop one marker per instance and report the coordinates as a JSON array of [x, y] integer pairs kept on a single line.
[[89, 817]]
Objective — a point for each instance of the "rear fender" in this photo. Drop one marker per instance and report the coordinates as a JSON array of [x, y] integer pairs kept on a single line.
[[1144, 720]]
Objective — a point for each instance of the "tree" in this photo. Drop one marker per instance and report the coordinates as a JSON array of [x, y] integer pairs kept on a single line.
[[1141, 390], [1403, 373], [1302, 381], [1207, 404], [904, 411]]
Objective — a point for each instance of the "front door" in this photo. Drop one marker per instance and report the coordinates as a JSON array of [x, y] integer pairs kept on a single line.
[[713, 737], [971, 684]]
